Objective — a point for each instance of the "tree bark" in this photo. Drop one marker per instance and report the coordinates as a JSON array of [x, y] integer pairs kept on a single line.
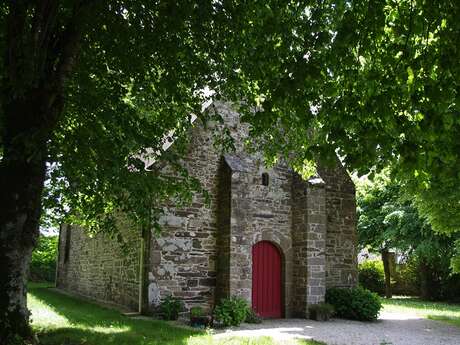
[[40, 54], [387, 271], [425, 280], [22, 176]]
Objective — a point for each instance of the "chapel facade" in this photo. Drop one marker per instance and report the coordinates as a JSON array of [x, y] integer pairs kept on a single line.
[[267, 235]]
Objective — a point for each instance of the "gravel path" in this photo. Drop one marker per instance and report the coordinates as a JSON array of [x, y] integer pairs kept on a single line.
[[391, 329]]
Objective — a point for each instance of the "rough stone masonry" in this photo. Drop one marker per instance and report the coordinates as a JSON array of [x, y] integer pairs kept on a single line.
[[205, 251]]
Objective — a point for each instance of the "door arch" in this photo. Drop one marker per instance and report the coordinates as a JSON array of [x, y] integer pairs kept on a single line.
[[266, 280]]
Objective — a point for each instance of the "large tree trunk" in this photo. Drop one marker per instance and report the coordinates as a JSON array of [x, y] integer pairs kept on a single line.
[[40, 53], [387, 271], [22, 176]]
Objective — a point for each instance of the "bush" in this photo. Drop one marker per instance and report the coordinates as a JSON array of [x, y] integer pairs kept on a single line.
[[198, 318], [170, 308], [371, 276], [231, 311], [252, 317], [321, 311], [407, 280], [355, 303], [196, 312], [43, 264]]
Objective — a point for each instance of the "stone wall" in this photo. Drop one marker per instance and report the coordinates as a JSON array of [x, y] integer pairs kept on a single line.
[[259, 213], [341, 244], [100, 267], [309, 242], [183, 258], [204, 251]]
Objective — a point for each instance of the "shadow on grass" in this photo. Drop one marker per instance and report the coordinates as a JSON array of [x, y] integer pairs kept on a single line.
[[91, 324]]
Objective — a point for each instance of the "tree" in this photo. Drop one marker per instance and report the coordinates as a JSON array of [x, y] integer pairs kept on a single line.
[[388, 220], [385, 223], [86, 84]]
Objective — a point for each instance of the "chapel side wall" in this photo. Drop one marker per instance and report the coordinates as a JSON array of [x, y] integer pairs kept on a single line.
[[100, 268], [341, 243], [183, 258]]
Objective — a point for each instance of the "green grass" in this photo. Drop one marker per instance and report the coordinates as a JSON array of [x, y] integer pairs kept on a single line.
[[431, 310], [59, 319]]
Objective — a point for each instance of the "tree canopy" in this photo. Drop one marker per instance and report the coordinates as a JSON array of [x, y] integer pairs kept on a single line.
[[376, 83], [86, 85], [388, 219]]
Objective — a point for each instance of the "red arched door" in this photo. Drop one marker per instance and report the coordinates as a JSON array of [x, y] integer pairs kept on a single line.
[[266, 280]]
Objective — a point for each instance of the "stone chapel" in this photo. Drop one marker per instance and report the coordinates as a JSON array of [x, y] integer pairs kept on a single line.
[[267, 236]]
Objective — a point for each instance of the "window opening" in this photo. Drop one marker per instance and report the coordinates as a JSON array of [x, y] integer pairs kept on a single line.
[[265, 179]]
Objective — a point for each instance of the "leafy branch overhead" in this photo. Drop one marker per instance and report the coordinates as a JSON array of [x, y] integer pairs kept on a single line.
[[374, 82], [86, 84]]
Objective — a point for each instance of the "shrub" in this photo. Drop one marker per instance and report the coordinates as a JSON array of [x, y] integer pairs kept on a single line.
[[371, 276], [321, 311], [196, 312], [252, 317], [407, 280], [198, 318], [355, 303], [231, 311], [171, 307], [43, 263]]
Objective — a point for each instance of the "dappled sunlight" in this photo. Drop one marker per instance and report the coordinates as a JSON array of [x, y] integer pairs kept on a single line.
[[414, 308], [109, 329], [42, 315], [46, 315], [223, 339], [61, 319], [399, 315], [396, 329], [282, 333]]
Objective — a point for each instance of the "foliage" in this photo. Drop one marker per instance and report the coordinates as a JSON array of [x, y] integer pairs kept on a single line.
[[196, 312], [44, 256], [252, 317], [455, 261], [363, 81], [388, 218], [102, 81], [231, 311], [355, 303], [321, 311], [371, 276], [407, 277], [170, 308]]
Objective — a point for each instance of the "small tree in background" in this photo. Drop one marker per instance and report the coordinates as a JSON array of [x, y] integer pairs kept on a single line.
[[388, 220], [44, 256]]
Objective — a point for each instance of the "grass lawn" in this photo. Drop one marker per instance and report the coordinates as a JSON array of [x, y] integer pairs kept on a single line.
[[63, 320], [432, 310]]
